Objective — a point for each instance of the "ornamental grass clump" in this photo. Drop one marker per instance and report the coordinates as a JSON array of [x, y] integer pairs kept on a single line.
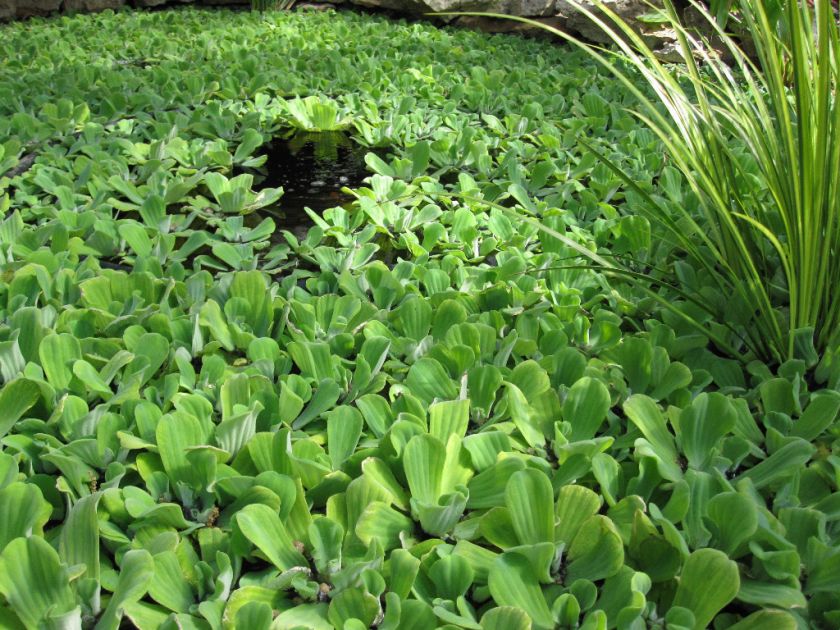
[[756, 139]]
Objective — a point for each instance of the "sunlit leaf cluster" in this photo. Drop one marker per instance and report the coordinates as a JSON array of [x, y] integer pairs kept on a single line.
[[424, 412]]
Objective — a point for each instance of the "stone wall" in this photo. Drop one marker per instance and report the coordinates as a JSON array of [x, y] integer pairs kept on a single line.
[[558, 13]]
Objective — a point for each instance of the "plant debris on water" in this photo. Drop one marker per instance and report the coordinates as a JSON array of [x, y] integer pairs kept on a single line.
[[423, 411]]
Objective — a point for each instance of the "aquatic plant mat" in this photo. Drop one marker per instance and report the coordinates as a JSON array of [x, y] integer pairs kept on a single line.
[[255, 376]]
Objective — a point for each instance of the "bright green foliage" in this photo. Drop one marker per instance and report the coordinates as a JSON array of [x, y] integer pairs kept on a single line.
[[423, 412], [752, 198]]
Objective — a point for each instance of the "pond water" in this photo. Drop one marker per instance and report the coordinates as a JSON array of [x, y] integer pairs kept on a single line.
[[312, 168]]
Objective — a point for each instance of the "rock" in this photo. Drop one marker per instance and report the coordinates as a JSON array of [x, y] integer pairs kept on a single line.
[[629, 10], [312, 6], [436, 6], [491, 25], [73, 6], [8, 9], [657, 37], [532, 8], [31, 8], [148, 3], [669, 50]]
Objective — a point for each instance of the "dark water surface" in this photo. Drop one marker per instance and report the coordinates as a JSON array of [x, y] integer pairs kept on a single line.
[[312, 168]]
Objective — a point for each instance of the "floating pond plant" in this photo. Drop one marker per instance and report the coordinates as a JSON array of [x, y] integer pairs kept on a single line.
[[423, 411]]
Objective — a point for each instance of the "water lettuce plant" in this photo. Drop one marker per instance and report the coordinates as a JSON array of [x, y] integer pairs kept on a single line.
[[413, 412]]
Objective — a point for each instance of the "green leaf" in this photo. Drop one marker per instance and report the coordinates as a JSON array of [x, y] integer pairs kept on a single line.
[[91, 379], [483, 383], [512, 583], [496, 527], [313, 358], [419, 154], [820, 414], [34, 583], [251, 141], [378, 473], [381, 521], [524, 416], [452, 576], [414, 317], [780, 464], [344, 428], [404, 568], [136, 571], [423, 461], [597, 551], [256, 615], [153, 212], [234, 433], [315, 113], [416, 615], [324, 398], [484, 448], [505, 618], [703, 424], [212, 317], [263, 527], [326, 537], [353, 603], [488, 488], [155, 348], [175, 433], [708, 582], [79, 540], [772, 594], [767, 620], [146, 616], [169, 586], [309, 616], [585, 407], [440, 517], [16, 398], [449, 418], [57, 354], [732, 519], [777, 395], [531, 379], [25, 514], [429, 381], [645, 414], [136, 236], [575, 504], [530, 499]]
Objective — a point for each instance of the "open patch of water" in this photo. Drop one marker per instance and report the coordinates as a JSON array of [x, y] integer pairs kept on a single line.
[[312, 168]]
